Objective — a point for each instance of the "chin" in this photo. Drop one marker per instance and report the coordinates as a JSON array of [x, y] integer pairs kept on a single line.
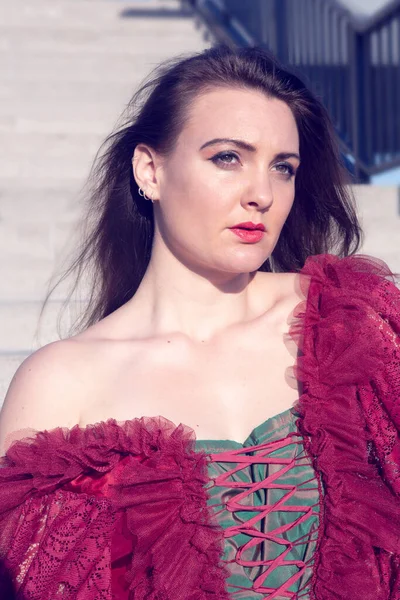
[[250, 259], [246, 266]]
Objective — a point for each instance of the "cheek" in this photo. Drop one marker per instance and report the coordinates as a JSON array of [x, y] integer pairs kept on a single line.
[[287, 207], [284, 196], [281, 210], [192, 189], [190, 208], [202, 199]]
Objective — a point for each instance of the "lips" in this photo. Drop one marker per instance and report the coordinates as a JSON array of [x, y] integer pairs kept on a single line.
[[248, 235], [249, 226]]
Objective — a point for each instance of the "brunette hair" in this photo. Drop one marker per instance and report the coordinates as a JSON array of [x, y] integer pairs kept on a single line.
[[119, 226]]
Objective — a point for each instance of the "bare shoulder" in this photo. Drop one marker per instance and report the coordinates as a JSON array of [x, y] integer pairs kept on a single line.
[[45, 391], [285, 289]]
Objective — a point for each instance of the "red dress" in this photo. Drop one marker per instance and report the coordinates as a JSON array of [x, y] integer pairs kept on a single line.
[[121, 510]]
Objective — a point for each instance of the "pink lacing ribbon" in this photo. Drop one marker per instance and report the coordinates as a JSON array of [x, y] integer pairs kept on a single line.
[[262, 456]]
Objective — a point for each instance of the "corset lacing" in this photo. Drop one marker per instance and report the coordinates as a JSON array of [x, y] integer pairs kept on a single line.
[[261, 454]]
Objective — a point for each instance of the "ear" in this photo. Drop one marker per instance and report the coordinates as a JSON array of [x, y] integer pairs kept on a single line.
[[145, 164]]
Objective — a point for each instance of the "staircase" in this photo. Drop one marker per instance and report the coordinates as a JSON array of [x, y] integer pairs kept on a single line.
[[68, 70]]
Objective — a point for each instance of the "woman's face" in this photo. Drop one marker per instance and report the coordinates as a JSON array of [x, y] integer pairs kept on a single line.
[[205, 186]]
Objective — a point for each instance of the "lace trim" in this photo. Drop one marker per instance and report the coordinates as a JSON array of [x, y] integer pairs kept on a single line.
[[348, 334], [54, 541]]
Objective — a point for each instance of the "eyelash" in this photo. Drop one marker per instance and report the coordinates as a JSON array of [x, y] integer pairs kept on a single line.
[[218, 157]]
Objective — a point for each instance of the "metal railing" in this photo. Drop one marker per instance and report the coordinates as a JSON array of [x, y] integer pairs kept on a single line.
[[353, 66]]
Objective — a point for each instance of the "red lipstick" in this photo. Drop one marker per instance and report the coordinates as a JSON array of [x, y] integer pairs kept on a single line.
[[249, 232], [249, 225]]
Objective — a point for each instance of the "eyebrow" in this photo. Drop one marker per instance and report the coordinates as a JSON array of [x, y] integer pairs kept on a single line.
[[246, 146]]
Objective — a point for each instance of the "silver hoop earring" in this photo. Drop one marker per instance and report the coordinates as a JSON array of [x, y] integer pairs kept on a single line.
[[143, 194]]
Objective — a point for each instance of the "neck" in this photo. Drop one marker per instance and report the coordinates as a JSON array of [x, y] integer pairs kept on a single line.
[[193, 304]]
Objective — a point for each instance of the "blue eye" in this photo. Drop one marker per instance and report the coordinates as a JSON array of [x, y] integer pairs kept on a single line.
[[218, 159], [290, 170]]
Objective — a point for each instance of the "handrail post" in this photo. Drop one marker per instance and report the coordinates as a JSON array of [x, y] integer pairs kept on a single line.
[[280, 8], [358, 100]]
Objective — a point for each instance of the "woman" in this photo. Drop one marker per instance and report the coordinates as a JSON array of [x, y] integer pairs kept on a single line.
[[279, 482]]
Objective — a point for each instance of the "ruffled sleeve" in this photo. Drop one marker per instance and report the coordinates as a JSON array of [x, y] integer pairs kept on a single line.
[[348, 332], [56, 541]]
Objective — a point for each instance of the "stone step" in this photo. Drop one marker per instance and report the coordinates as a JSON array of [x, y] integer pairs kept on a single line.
[[63, 120], [62, 68], [84, 15], [23, 329], [9, 363], [51, 94], [49, 168], [10, 185], [57, 145], [379, 213], [30, 155], [22, 279], [67, 36], [34, 206], [34, 249], [30, 241]]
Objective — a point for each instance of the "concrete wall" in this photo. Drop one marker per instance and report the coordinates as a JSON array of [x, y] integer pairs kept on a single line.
[[364, 7]]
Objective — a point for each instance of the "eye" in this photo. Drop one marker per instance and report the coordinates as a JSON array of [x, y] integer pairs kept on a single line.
[[219, 159], [290, 172]]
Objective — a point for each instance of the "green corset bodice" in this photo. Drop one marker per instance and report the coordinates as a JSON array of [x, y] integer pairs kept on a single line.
[[265, 495]]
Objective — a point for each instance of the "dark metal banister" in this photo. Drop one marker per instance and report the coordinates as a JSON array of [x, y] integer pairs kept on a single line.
[[377, 19], [353, 66]]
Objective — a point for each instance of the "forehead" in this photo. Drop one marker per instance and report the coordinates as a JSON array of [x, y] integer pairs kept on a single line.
[[241, 113]]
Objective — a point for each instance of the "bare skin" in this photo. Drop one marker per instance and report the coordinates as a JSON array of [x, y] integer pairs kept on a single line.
[[221, 388], [204, 339]]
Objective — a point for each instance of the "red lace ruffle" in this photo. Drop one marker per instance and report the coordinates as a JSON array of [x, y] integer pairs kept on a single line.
[[348, 335], [57, 542]]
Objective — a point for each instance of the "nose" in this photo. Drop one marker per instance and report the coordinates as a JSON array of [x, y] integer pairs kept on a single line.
[[259, 190]]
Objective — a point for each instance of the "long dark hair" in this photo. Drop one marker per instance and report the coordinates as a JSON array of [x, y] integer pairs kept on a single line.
[[119, 226]]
